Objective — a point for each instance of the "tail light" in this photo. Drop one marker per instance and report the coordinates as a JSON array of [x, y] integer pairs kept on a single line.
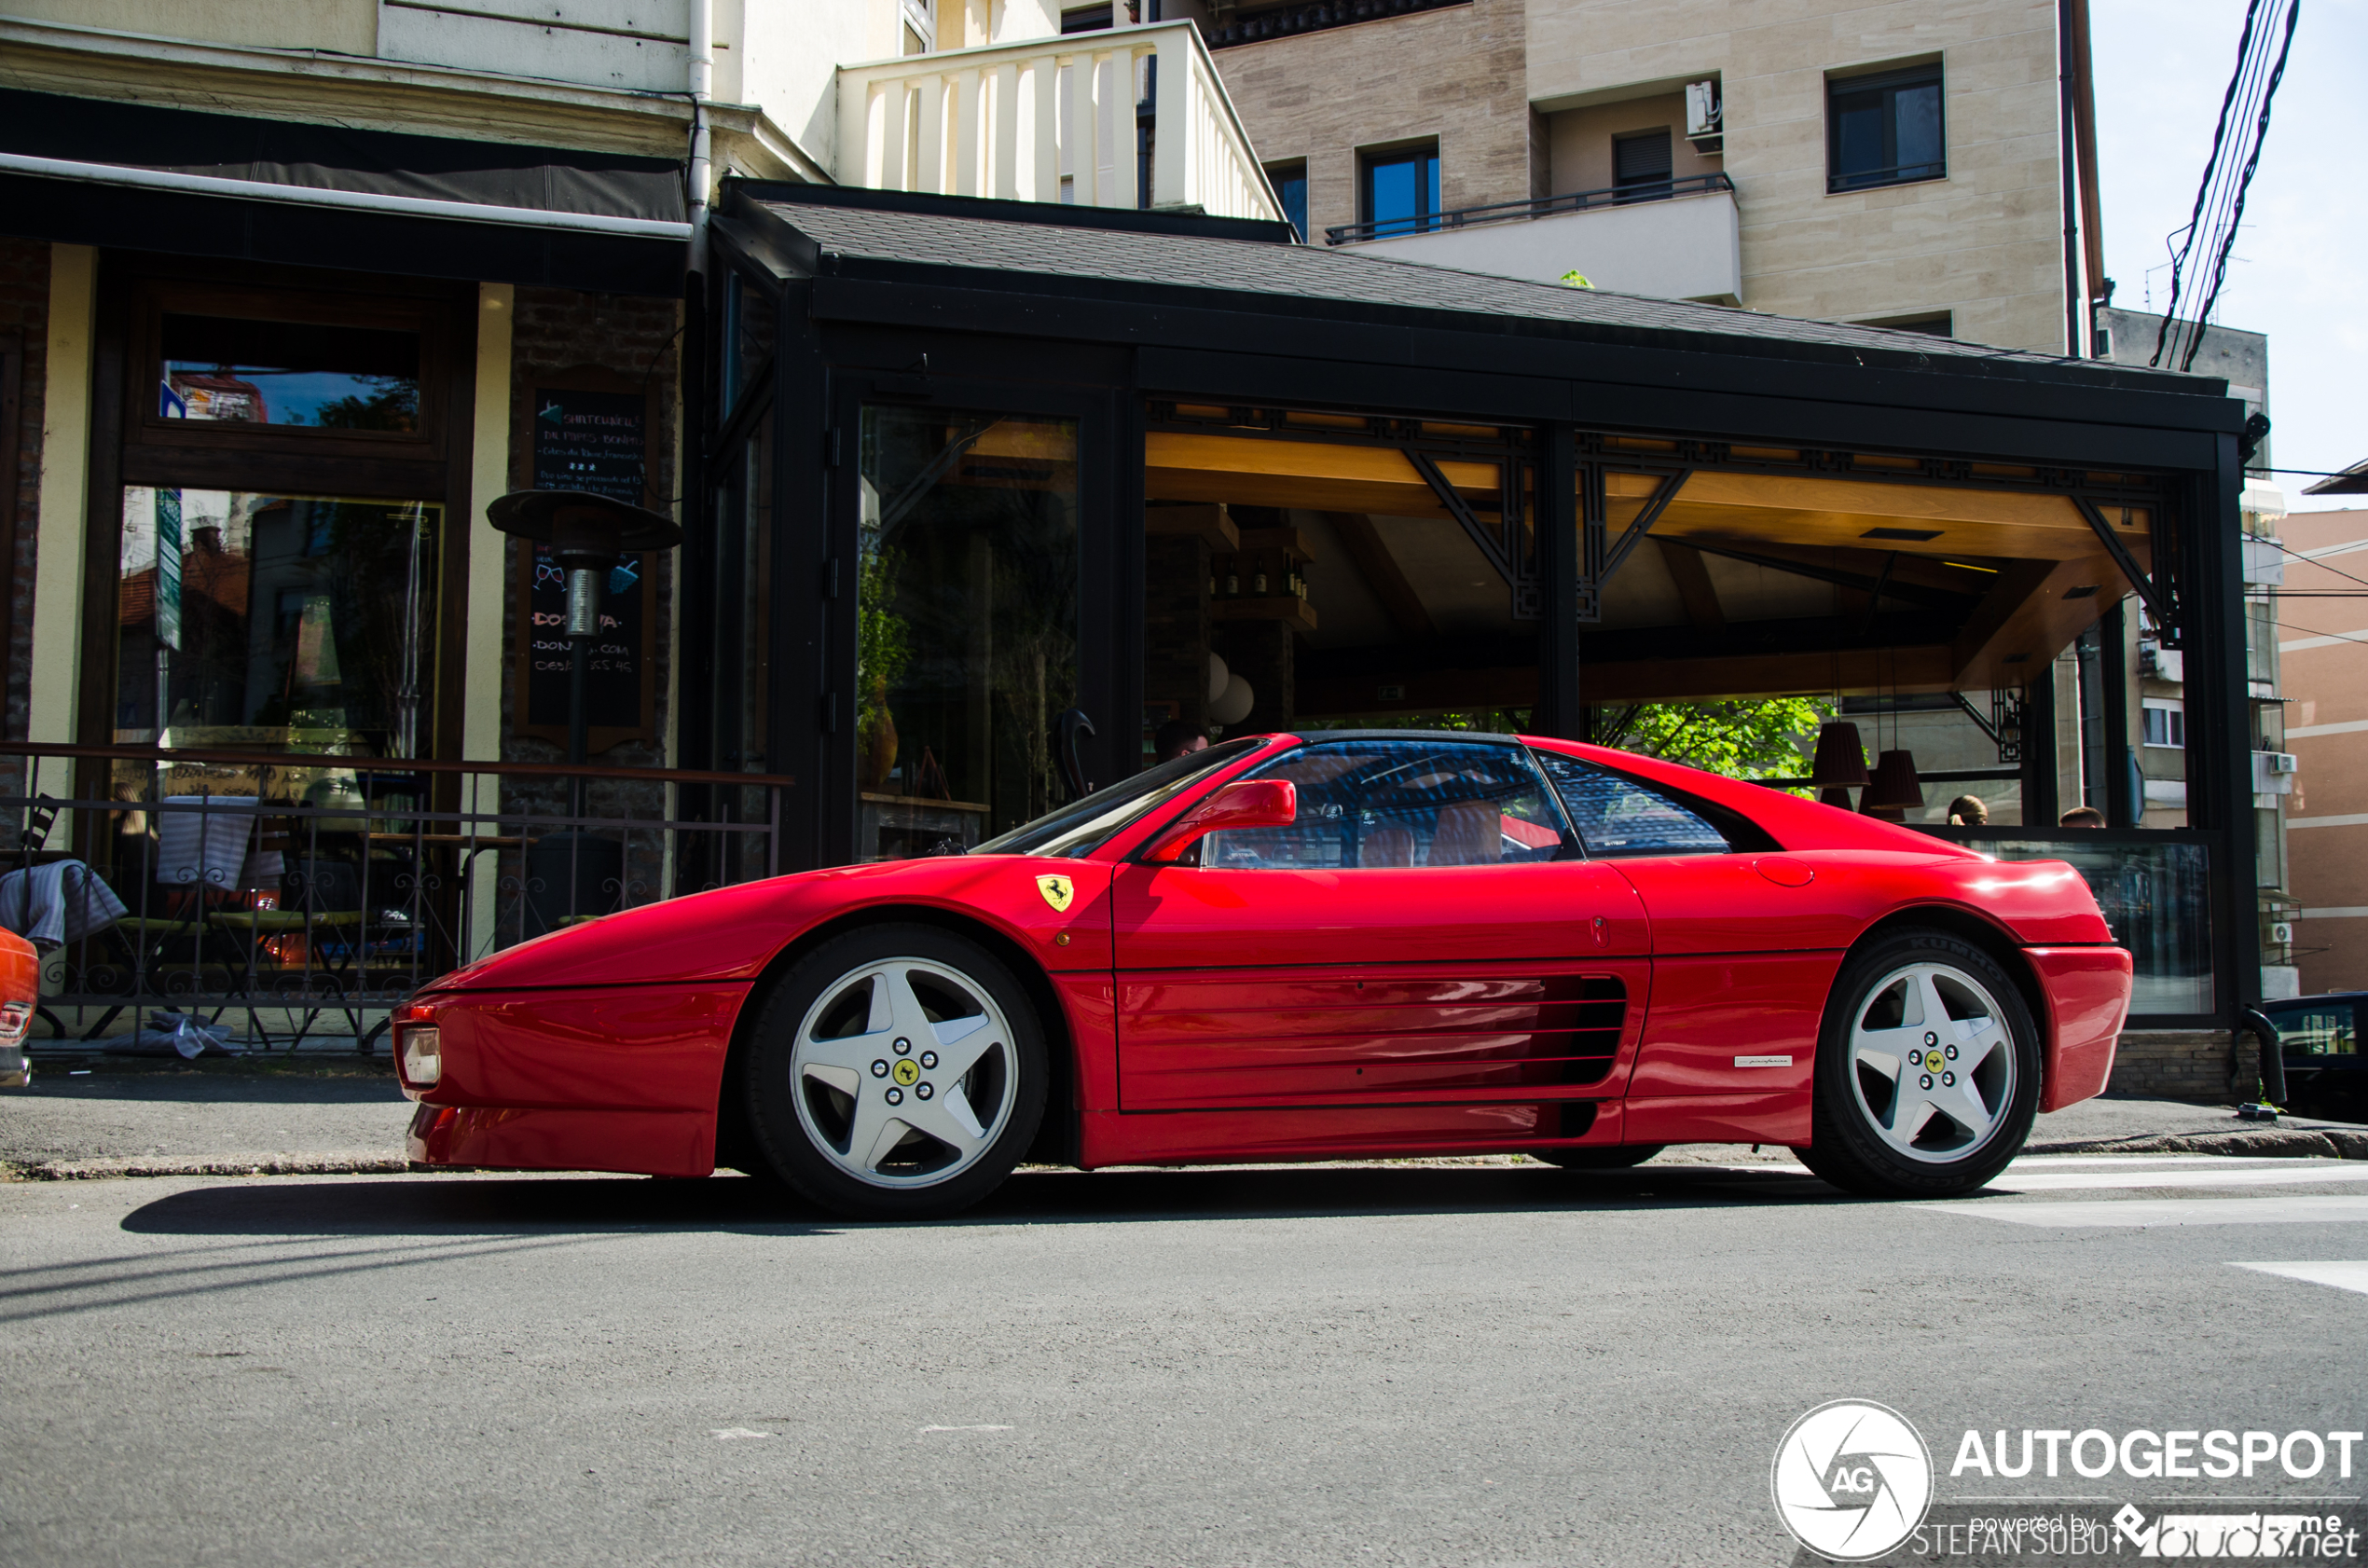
[[15, 1019]]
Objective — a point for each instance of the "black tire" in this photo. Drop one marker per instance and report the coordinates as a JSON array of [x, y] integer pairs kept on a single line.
[[1009, 1081], [1603, 1157], [1849, 1144]]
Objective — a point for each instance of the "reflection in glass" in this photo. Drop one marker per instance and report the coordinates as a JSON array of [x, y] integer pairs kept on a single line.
[[1367, 804], [281, 622], [221, 369], [967, 588], [2156, 898]]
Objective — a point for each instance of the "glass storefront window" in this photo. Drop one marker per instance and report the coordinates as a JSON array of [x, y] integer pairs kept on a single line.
[[2157, 898], [225, 370], [967, 591], [276, 623]]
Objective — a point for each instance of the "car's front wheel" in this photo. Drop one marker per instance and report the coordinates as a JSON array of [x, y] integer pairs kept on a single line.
[[1927, 1070], [897, 1072]]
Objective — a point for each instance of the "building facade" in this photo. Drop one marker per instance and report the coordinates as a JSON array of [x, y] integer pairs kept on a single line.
[[1907, 164], [2325, 666], [1003, 420]]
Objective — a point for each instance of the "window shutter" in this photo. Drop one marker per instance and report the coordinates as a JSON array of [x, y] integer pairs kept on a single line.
[[1636, 158]]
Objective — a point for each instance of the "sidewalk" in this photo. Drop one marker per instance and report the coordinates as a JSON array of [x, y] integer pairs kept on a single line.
[[328, 1110]]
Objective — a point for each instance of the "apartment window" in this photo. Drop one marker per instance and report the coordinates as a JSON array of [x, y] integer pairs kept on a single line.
[[1642, 166], [1291, 189], [1401, 191], [920, 27], [2166, 723], [1088, 18], [1884, 130]]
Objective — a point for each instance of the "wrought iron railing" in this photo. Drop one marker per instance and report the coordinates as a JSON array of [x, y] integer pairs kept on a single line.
[[1522, 212], [312, 893], [1315, 16]]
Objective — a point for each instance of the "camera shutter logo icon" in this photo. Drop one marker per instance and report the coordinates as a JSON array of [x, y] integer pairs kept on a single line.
[[1852, 1480]]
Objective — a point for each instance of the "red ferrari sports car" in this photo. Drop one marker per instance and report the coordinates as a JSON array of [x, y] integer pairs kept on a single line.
[[1297, 948]]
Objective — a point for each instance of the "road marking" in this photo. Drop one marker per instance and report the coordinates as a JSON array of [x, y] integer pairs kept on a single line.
[[2343, 1276], [2014, 1180], [2317, 1210], [730, 1434], [2135, 1161], [966, 1429]]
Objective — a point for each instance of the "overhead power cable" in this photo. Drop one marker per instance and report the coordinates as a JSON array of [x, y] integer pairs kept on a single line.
[[2219, 213]]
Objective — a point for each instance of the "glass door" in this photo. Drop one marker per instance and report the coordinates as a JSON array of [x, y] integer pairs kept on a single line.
[[967, 588]]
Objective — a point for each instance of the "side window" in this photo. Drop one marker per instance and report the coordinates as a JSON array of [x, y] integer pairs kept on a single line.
[[2321, 1029], [1364, 803], [1616, 816]]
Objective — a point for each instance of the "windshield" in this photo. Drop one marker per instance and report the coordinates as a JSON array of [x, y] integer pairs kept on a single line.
[[1079, 827]]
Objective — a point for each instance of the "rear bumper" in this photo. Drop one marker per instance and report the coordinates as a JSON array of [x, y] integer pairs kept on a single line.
[[2087, 991]]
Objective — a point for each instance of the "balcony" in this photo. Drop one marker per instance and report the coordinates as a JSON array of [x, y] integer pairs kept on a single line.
[[1677, 240], [1129, 117]]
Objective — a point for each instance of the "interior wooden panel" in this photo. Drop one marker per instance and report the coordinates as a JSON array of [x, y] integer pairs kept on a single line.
[[2033, 621], [1319, 476], [1800, 509]]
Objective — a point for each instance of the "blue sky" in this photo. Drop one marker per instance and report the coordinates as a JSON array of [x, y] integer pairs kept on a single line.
[[2300, 268]]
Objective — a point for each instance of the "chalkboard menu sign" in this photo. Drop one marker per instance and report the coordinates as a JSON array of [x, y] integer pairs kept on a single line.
[[596, 441]]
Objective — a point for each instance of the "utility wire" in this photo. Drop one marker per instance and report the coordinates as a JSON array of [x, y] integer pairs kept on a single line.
[[2244, 184], [2219, 195]]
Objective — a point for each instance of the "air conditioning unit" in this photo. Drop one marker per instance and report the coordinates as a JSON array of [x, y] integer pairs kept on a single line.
[[2273, 772], [1705, 118], [2281, 934]]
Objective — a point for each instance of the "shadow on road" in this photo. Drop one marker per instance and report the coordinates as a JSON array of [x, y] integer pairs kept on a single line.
[[416, 1205]]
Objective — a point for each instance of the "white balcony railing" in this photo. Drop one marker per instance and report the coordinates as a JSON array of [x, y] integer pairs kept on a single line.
[[1055, 119]]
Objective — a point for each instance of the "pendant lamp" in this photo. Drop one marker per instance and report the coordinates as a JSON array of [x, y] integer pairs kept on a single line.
[[1834, 796], [1841, 757], [1896, 785]]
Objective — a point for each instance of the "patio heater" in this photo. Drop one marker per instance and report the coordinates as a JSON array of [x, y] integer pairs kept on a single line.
[[590, 535]]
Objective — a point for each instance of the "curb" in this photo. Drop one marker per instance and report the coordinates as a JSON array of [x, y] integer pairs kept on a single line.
[[2283, 1143], [353, 1163]]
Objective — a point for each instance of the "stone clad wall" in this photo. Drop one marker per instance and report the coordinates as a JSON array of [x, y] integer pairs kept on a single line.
[[1456, 75], [1984, 243]]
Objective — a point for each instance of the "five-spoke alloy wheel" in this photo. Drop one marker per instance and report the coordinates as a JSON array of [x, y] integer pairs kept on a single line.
[[896, 1072], [1928, 1071]]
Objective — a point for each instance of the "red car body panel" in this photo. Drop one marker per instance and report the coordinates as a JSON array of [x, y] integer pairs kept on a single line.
[[1281, 1014], [2087, 990]]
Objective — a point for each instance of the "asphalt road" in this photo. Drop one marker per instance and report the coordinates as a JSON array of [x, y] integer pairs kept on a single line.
[[1479, 1365]]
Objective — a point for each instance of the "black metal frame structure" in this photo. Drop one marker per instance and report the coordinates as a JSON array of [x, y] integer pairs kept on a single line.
[[1652, 388]]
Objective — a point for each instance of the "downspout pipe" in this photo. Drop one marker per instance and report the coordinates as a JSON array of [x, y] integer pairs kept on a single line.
[[2067, 143], [702, 86]]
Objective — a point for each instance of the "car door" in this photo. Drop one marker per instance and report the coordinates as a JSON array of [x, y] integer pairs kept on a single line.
[[2317, 1039], [1746, 940], [1426, 933]]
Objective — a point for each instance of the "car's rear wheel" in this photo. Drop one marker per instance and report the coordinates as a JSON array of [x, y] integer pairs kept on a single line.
[[1603, 1157], [897, 1072], [1927, 1070]]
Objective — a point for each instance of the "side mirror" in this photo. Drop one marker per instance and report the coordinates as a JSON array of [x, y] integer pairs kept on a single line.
[[1246, 803]]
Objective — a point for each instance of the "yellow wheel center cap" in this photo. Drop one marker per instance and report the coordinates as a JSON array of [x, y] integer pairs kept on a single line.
[[1932, 1062], [906, 1071]]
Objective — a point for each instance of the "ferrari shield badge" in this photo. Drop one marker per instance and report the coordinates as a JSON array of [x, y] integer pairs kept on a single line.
[[1057, 891]]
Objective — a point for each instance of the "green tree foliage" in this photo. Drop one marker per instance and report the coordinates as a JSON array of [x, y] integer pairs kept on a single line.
[[392, 402], [1763, 739]]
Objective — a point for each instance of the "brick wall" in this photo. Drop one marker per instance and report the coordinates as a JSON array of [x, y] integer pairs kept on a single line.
[[2178, 1065], [24, 317], [559, 330], [1458, 74]]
